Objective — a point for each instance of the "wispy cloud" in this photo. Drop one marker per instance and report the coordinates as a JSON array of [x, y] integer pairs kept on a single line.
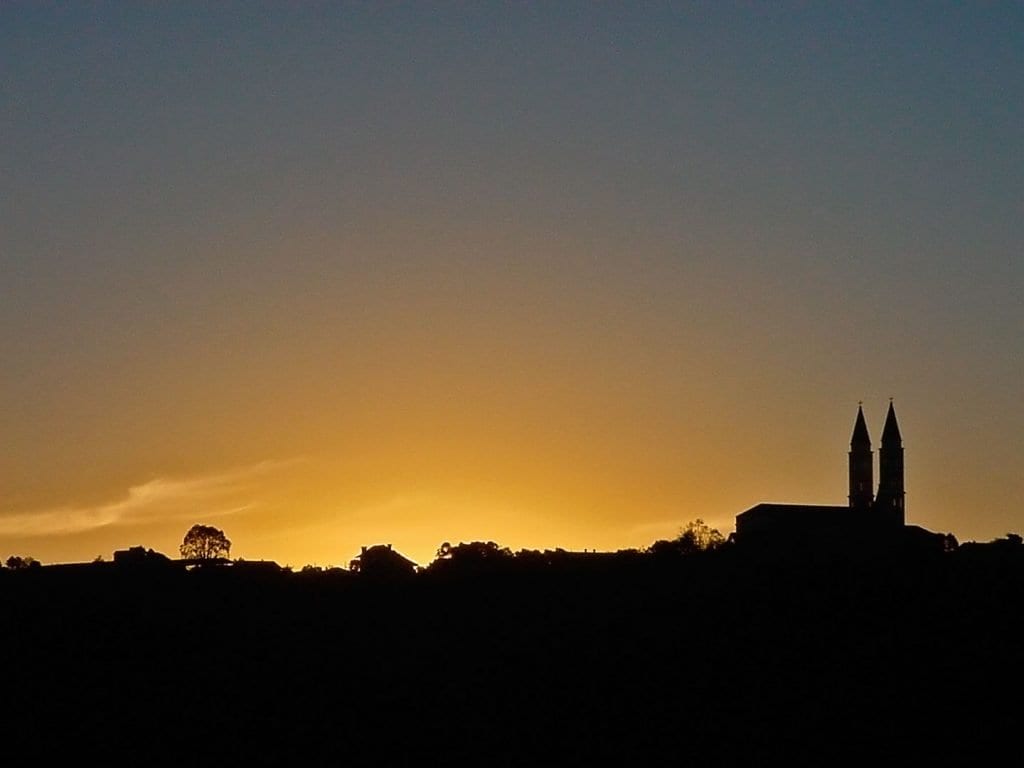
[[160, 499]]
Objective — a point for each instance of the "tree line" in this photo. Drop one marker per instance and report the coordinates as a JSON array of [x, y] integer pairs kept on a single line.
[[206, 544]]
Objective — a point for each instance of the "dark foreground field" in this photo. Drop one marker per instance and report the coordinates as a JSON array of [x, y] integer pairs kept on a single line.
[[712, 659]]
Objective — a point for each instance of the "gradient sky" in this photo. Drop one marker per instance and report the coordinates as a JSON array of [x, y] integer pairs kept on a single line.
[[325, 275]]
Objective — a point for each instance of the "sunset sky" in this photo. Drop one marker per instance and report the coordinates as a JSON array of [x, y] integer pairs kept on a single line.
[[324, 275]]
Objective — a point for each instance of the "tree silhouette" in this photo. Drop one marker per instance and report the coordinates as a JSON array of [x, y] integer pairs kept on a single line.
[[474, 556], [700, 536], [204, 542], [16, 563], [473, 552], [695, 536]]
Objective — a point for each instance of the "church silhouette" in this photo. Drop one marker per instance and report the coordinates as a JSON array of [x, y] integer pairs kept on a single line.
[[869, 519]]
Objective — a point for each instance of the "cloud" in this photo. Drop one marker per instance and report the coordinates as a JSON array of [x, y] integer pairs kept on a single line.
[[156, 500]]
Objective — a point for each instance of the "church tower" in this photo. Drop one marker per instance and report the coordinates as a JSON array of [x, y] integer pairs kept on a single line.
[[861, 466], [890, 500]]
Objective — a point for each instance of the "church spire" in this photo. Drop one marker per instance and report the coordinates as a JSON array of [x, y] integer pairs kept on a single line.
[[860, 437], [891, 430], [891, 496], [861, 465]]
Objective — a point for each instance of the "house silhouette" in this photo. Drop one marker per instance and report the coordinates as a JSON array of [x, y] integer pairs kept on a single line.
[[382, 562]]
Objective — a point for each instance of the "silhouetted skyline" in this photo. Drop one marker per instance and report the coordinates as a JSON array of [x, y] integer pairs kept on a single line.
[[742, 655], [569, 276]]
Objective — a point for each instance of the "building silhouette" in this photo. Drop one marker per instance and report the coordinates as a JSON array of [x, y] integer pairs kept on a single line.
[[382, 562], [868, 518]]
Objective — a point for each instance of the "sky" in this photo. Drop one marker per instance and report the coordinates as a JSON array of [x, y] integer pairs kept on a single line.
[[569, 275]]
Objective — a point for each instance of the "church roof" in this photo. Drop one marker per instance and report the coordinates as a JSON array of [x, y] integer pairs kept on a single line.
[[796, 512], [891, 430], [860, 438]]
